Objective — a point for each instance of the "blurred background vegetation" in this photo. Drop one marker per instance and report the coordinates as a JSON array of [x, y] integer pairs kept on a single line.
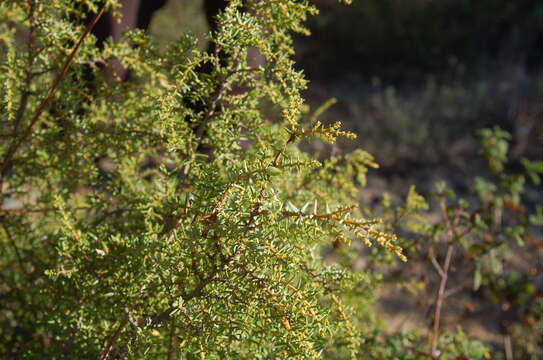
[[416, 80]]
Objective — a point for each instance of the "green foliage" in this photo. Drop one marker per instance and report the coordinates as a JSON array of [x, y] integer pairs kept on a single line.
[[495, 145], [168, 215], [458, 345]]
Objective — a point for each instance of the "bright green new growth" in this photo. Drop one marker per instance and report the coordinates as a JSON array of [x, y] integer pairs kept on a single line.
[[212, 253]]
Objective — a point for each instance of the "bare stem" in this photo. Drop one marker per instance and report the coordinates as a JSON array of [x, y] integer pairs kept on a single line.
[[508, 347], [444, 274]]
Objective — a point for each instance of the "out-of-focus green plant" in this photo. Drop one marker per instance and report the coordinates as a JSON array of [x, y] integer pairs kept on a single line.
[[478, 240]]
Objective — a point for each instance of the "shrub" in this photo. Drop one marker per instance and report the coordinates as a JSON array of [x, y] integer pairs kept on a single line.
[[168, 214]]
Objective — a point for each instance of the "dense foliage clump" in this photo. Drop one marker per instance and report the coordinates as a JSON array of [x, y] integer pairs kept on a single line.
[[169, 213]]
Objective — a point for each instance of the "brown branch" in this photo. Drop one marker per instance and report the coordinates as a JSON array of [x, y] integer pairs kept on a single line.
[[196, 292], [456, 289], [443, 272], [508, 347], [277, 157], [445, 218], [17, 142], [434, 353], [213, 104], [17, 351], [435, 263]]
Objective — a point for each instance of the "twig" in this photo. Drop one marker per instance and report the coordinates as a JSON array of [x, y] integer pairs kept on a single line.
[[444, 274], [212, 217], [214, 104], [445, 218], [17, 351], [435, 263], [212, 107], [277, 157], [508, 347], [454, 290]]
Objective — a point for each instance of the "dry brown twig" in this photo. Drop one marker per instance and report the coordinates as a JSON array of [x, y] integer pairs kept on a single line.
[[443, 271]]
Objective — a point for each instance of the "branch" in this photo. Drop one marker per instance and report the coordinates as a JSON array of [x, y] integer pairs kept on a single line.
[[214, 103], [434, 353], [435, 263], [508, 347], [212, 107]]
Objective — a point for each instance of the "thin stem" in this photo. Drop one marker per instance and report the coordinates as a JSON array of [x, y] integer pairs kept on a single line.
[[214, 103], [508, 347], [444, 274], [435, 263]]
